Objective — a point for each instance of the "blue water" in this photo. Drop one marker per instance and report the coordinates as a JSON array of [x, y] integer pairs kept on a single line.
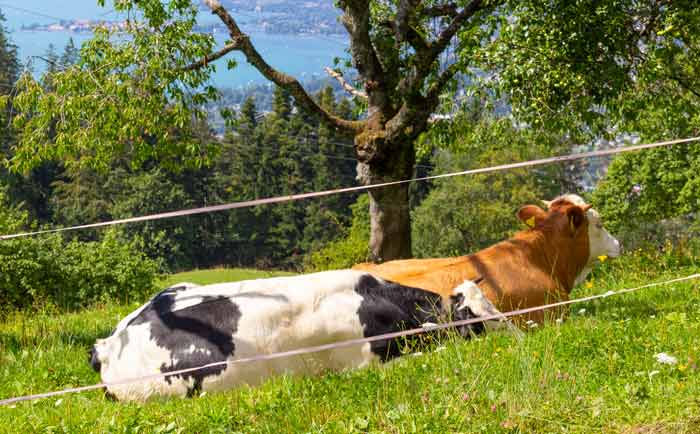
[[300, 55]]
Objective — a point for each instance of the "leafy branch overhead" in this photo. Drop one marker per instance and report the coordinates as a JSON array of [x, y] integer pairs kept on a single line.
[[123, 98], [137, 96], [588, 63], [241, 42]]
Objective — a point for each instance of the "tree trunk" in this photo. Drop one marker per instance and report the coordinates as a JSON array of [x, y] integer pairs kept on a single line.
[[390, 221]]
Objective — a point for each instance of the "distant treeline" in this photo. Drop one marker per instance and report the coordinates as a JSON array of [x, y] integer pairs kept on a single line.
[[262, 94]]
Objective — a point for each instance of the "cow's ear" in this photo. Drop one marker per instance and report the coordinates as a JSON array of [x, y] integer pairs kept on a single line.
[[577, 216], [531, 215]]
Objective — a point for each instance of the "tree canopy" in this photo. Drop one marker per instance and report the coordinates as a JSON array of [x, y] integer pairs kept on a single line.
[[140, 94], [580, 70], [597, 69]]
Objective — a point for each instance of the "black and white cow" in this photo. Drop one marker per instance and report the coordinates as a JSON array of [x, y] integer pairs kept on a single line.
[[187, 326]]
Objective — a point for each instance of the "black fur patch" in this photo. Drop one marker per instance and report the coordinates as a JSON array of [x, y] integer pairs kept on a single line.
[[94, 361], [209, 326], [389, 307]]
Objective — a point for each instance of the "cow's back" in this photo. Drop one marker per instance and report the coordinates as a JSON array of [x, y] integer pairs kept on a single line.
[[440, 275], [509, 278]]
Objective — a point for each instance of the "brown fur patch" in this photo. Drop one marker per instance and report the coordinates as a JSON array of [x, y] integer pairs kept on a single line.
[[534, 267]]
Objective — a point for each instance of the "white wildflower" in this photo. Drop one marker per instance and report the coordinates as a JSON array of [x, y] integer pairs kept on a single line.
[[665, 359], [582, 311]]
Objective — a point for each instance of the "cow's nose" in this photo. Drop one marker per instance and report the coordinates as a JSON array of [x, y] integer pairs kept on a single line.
[[618, 249]]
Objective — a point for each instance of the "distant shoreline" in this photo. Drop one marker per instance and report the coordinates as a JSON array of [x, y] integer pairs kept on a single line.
[[301, 55], [89, 26]]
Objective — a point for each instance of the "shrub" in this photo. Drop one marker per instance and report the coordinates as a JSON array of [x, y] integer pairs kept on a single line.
[[461, 215], [349, 250], [47, 269], [466, 213]]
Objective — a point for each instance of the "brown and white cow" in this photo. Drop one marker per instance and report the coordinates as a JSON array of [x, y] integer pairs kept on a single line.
[[536, 266]]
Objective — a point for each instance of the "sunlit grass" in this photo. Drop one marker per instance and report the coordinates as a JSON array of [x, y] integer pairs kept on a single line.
[[596, 373], [204, 277]]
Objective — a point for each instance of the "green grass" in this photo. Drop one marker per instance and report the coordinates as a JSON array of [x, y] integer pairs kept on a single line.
[[596, 373], [205, 277]]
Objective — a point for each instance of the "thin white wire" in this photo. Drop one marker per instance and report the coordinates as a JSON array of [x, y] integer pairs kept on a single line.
[[300, 196], [341, 344]]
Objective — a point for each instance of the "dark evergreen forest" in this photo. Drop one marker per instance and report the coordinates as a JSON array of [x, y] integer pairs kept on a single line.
[[283, 151]]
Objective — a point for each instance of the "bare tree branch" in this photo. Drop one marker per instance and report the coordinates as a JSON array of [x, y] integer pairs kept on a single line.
[[210, 58], [411, 36], [417, 41], [242, 43], [426, 57], [432, 96], [403, 16], [347, 86], [439, 45], [449, 9], [356, 19]]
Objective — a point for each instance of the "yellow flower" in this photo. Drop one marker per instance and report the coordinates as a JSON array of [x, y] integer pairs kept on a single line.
[[589, 284], [602, 258]]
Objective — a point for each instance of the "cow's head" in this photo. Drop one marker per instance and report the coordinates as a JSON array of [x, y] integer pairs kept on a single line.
[[600, 242], [570, 219]]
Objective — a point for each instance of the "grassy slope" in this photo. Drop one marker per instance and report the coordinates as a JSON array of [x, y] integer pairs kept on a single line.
[[205, 277], [596, 373]]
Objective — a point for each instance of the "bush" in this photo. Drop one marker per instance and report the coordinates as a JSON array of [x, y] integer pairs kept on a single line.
[[641, 189], [47, 269], [464, 214], [349, 250], [461, 215]]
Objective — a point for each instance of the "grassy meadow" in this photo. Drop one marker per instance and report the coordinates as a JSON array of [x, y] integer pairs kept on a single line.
[[595, 373]]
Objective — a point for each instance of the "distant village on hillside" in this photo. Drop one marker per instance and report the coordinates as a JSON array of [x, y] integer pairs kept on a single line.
[[76, 26], [281, 16]]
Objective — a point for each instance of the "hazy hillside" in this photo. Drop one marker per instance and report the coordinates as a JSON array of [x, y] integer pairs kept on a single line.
[[291, 16]]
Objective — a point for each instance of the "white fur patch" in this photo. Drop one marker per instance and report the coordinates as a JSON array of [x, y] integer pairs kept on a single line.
[[475, 300], [600, 241]]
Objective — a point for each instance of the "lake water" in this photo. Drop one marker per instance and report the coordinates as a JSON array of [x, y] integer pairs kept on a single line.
[[302, 56]]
